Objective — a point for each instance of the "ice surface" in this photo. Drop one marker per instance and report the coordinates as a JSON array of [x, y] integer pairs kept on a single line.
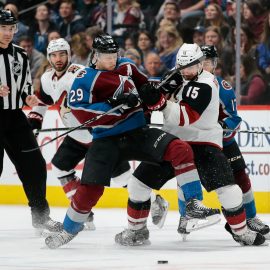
[[211, 248]]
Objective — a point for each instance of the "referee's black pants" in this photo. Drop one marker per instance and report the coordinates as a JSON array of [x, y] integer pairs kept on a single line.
[[15, 136]]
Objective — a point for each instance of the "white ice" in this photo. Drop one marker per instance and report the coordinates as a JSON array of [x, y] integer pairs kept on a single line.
[[211, 248]]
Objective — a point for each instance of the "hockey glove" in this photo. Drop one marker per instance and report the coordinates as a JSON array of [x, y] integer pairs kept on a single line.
[[128, 100], [152, 97], [35, 120], [171, 83]]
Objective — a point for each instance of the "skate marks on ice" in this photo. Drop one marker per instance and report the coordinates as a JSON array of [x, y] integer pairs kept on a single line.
[[210, 248]]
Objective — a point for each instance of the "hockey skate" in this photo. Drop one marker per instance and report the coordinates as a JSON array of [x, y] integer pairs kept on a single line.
[[182, 228], [199, 216], [255, 224], [132, 237], [159, 210], [46, 226], [249, 238], [89, 224], [59, 239]]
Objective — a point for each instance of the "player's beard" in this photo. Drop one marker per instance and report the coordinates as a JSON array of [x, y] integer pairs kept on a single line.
[[60, 68]]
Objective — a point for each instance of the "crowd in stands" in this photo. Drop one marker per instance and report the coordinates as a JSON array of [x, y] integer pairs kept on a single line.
[[151, 32]]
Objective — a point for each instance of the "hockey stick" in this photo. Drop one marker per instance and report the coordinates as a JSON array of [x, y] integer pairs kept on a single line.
[[151, 125], [76, 128]]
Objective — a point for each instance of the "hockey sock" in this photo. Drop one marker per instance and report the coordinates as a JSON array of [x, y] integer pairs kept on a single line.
[[236, 218], [82, 203], [137, 214], [69, 184], [242, 179]]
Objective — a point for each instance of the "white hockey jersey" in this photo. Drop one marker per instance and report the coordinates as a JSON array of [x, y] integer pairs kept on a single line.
[[194, 116], [54, 91]]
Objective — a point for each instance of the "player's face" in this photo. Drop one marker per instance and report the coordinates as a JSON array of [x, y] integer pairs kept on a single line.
[[208, 65], [59, 60], [106, 61], [189, 73]]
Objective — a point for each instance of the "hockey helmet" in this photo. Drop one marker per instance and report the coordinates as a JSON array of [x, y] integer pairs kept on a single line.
[[56, 45], [7, 17], [209, 51], [104, 43], [189, 55]]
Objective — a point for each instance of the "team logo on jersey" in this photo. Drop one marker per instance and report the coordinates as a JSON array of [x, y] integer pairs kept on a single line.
[[226, 85], [73, 68], [16, 67], [81, 74]]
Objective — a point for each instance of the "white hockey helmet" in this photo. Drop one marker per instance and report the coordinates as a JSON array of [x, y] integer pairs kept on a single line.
[[189, 55], [56, 45]]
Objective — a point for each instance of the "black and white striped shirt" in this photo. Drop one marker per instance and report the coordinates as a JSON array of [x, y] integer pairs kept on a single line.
[[15, 73]]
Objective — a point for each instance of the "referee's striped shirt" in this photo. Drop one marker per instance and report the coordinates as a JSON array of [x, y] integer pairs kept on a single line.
[[15, 73]]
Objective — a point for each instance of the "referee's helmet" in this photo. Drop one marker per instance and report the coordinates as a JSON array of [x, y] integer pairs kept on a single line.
[[7, 17]]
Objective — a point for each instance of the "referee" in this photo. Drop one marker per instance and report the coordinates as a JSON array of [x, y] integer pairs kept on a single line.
[[15, 133]]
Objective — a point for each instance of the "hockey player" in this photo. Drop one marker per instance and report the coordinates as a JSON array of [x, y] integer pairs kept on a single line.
[[229, 119], [119, 136], [194, 118], [55, 85]]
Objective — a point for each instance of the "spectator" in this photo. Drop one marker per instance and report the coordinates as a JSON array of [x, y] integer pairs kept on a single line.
[[39, 29], [128, 13], [214, 17], [88, 9], [129, 42], [264, 49], [91, 33], [22, 28], [253, 87], [22, 5], [172, 15], [54, 34], [145, 42], [248, 47], [53, 6], [168, 43], [254, 15], [79, 49], [213, 36], [72, 23], [135, 56], [198, 35], [154, 68], [36, 58]]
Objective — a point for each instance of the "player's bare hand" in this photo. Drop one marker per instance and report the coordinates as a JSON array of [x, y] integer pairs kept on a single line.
[[4, 90], [32, 101]]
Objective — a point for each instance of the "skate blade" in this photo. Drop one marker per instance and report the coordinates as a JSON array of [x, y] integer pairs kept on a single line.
[[160, 224], [267, 236], [89, 226], [184, 237], [195, 224], [43, 233]]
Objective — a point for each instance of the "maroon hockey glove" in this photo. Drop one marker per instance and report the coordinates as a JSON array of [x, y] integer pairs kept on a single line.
[[152, 97]]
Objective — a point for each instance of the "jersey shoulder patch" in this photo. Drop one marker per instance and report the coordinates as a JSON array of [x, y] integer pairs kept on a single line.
[[226, 85], [73, 68]]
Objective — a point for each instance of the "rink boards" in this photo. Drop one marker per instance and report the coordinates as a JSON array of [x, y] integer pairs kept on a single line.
[[255, 147]]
